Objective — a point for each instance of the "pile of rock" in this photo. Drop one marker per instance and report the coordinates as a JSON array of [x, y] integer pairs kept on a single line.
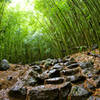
[[57, 79]]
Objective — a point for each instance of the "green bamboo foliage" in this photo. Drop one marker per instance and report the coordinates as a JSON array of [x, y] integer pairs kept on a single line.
[[79, 19], [57, 28]]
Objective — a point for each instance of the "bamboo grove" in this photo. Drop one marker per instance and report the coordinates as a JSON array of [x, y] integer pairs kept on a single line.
[[53, 28]]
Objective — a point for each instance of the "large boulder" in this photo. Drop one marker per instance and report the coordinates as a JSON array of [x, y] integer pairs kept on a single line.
[[4, 65], [76, 79], [65, 90], [70, 71], [50, 92], [44, 92], [18, 91], [79, 93], [54, 73]]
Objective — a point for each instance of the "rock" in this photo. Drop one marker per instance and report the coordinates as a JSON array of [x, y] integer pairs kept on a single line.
[[4, 99], [95, 46], [4, 65], [69, 63], [64, 91], [59, 60], [50, 92], [97, 82], [42, 62], [33, 73], [70, 78], [37, 68], [44, 75], [57, 66], [89, 72], [95, 77], [18, 92], [48, 63], [97, 72], [44, 92], [74, 65], [57, 80], [76, 79], [54, 61], [93, 98], [68, 59], [0, 85], [54, 73], [36, 78], [35, 63], [61, 64], [31, 81], [86, 64], [89, 75], [79, 93], [94, 55], [90, 86], [70, 71], [85, 71], [41, 77]]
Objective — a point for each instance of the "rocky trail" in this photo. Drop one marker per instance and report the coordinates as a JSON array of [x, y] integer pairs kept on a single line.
[[75, 77]]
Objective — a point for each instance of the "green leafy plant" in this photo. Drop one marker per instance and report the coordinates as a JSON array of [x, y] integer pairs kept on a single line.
[[40, 29]]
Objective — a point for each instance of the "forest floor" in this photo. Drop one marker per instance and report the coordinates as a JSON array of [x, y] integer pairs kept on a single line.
[[17, 72]]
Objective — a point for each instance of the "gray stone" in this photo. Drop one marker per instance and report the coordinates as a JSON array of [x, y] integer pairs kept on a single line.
[[76, 79], [90, 86], [64, 91], [86, 64], [97, 82], [31, 81], [54, 73], [44, 92], [93, 98], [74, 65], [70, 71], [48, 63], [57, 66], [4, 65], [59, 60], [33, 73], [57, 80], [37, 68], [79, 93], [18, 92], [50, 92], [68, 59]]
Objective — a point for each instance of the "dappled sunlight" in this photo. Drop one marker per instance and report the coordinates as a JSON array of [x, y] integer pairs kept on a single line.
[[23, 5]]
